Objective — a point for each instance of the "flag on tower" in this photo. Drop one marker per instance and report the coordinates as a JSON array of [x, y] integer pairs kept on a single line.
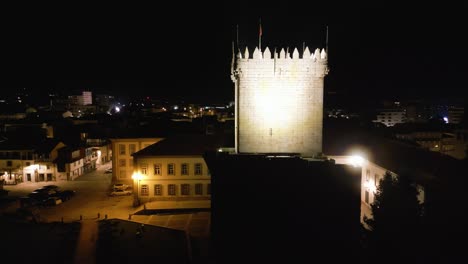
[[260, 35], [260, 30]]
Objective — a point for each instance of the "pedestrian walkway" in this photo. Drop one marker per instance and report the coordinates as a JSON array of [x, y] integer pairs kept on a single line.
[[175, 205], [86, 244]]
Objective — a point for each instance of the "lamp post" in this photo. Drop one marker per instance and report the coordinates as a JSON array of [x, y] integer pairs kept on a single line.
[[137, 176]]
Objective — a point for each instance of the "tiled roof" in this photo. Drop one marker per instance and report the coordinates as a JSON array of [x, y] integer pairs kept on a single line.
[[185, 145]]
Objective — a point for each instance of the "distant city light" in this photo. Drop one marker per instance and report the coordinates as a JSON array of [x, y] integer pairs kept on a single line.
[[117, 109], [176, 107], [446, 120]]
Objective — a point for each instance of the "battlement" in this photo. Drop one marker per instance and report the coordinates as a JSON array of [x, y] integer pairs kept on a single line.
[[317, 56], [279, 100]]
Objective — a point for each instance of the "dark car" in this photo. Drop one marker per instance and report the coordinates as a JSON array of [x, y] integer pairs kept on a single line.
[[38, 196], [52, 201], [28, 202], [46, 191], [50, 187], [65, 195]]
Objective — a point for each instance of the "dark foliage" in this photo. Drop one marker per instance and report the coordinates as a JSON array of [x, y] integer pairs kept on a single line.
[[395, 229]]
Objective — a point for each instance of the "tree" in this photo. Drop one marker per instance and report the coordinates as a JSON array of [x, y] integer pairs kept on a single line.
[[397, 218]]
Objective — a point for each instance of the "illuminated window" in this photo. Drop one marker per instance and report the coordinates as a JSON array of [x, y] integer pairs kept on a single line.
[[185, 189], [184, 168], [157, 169], [208, 189], [122, 163], [171, 169], [171, 189], [144, 169], [131, 149], [199, 189], [157, 189], [198, 169], [121, 149], [144, 190]]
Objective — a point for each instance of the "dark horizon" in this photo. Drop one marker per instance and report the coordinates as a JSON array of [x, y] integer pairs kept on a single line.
[[374, 53]]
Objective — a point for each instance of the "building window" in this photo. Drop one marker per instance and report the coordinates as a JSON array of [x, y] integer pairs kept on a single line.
[[158, 190], [184, 168], [144, 169], [367, 175], [185, 189], [122, 163], [208, 189], [9, 163], [123, 174], [48, 167], [199, 189], [121, 149], [157, 169], [198, 169], [171, 189], [131, 148], [171, 169], [28, 163], [366, 197], [144, 190]]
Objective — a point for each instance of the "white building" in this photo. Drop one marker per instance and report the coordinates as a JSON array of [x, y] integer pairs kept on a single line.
[[122, 159], [174, 169], [279, 101], [391, 117]]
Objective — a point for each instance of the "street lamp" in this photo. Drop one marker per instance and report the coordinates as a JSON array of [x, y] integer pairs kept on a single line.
[[137, 176]]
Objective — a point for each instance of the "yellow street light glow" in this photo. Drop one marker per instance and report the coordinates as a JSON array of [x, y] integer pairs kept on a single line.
[[137, 176]]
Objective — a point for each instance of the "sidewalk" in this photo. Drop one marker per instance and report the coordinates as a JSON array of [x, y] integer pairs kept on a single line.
[[86, 245], [174, 205]]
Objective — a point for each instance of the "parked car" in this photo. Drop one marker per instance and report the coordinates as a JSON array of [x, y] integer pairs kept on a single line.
[[38, 196], [52, 201], [28, 202], [120, 186], [65, 195], [50, 187], [46, 191], [120, 192]]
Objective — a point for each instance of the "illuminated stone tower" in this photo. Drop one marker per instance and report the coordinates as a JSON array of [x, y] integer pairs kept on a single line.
[[279, 101]]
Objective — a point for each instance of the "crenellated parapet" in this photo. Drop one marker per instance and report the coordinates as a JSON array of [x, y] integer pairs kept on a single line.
[[319, 55], [280, 61]]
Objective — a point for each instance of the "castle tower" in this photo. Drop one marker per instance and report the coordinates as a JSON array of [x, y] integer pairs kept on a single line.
[[279, 101]]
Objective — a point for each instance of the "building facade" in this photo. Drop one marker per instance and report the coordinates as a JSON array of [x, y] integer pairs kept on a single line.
[[174, 169], [279, 101], [122, 159]]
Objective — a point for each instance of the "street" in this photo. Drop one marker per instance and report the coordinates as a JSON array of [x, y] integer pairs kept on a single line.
[[92, 200]]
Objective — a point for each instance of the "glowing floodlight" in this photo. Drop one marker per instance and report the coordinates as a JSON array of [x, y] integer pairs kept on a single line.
[[356, 161]]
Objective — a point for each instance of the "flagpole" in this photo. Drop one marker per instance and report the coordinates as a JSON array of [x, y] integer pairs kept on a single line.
[[260, 35], [326, 43], [237, 37]]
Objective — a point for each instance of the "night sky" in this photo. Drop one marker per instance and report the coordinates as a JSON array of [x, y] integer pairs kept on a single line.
[[380, 51]]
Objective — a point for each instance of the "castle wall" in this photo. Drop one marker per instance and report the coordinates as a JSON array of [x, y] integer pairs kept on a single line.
[[280, 102]]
